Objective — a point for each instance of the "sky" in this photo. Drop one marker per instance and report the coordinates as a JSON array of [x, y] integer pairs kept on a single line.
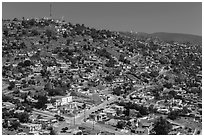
[[137, 17]]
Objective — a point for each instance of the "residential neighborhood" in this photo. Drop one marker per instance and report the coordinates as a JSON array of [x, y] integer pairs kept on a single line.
[[61, 78]]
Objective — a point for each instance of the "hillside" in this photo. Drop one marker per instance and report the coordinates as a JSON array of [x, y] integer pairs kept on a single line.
[[167, 37], [179, 37]]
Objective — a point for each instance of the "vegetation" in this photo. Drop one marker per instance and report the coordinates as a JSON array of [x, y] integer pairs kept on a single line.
[[161, 127]]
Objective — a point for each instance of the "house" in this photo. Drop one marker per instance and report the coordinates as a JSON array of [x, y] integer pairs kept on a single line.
[[8, 105], [68, 108], [99, 117], [141, 131], [145, 122], [176, 108], [122, 108], [11, 120], [49, 106], [33, 128], [133, 112], [112, 122], [163, 110], [110, 112], [61, 100], [134, 122], [33, 118]]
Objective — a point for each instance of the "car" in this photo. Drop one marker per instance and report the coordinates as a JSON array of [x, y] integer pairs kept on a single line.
[[61, 119], [20, 130], [82, 128], [22, 133], [63, 131], [65, 128], [56, 116], [78, 133]]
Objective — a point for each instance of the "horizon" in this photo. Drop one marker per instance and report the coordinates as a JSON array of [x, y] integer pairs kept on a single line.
[[160, 17]]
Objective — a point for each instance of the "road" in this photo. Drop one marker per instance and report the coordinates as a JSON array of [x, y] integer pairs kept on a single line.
[[101, 128], [44, 113], [79, 119], [175, 123]]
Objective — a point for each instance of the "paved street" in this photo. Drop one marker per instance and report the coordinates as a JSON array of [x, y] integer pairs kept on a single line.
[[78, 119]]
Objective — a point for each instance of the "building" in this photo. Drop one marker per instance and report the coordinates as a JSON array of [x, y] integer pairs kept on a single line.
[[8, 105], [110, 112], [99, 117], [112, 122], [141, 131], [63, 100], [33, 128]]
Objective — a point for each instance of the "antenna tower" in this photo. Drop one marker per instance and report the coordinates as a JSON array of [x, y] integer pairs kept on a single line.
[[50, 10]]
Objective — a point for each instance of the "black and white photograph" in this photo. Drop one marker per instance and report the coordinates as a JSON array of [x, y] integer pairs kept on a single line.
[[101, 68]]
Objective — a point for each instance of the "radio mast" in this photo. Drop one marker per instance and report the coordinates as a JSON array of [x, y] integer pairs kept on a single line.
[[50, 10]]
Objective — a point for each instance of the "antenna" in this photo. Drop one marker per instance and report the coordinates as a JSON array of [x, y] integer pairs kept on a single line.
[[50, 10]]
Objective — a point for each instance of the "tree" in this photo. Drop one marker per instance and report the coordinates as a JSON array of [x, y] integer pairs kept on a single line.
[[173, 115], [27, 63], [52, 131], [68, 42], [117, 91], [5, 123], [65, 34], [20, 64], [168, 85], [172, 93], [32, 22], [22, 45], [42, 100], [152, 109], [5, 31], [34, 32], [161, 126], [109, 78], [11, 85], [49, 33], [15, 124], [154, 74], [120, 124], [57, 91], [84, 106], [143, 110], [23, 117], [127, 112]]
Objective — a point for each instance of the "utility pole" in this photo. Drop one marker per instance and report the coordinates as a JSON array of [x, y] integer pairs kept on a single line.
[[93, 124], [74, 120], [84, 114], [84, 107]]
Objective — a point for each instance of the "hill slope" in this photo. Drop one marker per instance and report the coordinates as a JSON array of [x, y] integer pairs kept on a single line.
[[178, 37]]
